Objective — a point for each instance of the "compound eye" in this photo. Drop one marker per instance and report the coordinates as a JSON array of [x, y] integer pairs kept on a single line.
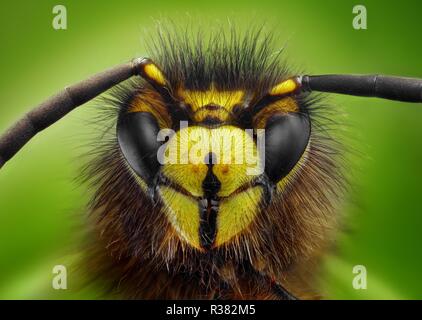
[[286, 138], [137, 136]]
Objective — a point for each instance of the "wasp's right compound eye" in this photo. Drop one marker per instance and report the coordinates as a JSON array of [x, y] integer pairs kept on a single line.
[[137, 136]]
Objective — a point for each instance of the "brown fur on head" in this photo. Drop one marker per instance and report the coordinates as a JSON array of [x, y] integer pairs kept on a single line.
[[136, 247]]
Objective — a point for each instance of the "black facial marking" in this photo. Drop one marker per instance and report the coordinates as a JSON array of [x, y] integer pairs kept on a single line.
[[212, 107], [211, 121], [209, 206], [208, 210]]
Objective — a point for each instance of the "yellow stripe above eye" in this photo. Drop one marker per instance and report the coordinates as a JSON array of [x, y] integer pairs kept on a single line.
[[154, 74], [197, 98], [284, 87]]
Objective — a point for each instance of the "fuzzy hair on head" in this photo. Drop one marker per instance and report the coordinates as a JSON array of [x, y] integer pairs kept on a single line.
[[133, 247]]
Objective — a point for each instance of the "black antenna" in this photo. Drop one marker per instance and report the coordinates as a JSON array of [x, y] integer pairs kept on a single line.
[[385, 87], [57, 106]]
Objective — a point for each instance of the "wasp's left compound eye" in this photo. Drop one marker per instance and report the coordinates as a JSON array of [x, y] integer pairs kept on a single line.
[[286, 138], [137, 136]]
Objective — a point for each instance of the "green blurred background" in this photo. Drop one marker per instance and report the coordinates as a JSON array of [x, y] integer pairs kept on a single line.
[[39, 198]]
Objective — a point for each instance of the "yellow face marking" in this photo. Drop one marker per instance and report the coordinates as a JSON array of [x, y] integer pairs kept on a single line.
[[239, 202], [237, 157], [236, 154], [179, 167], [237, 213], [198, 99], [284, 87], [153, 73], [183, 215]]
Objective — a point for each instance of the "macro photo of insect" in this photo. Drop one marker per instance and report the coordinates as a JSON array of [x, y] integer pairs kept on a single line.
[[217, 151]]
